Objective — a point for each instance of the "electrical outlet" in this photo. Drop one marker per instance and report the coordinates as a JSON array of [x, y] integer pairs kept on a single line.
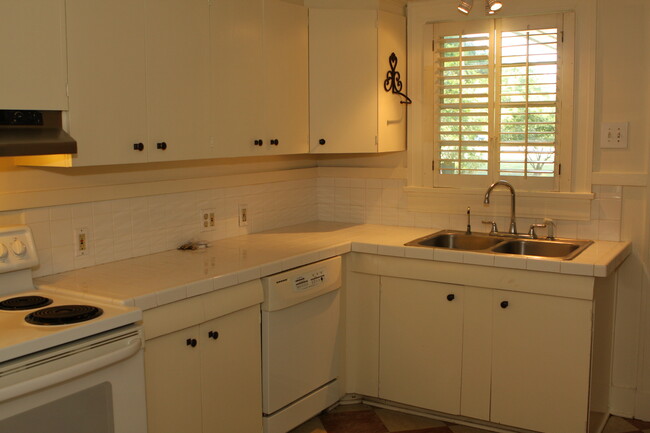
[[81, 241], [243, 215], [208, 220]]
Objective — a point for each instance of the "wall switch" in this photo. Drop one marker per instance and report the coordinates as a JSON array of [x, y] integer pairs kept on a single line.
[[208, 220], [81, 241], [613, 136], [243, 215]]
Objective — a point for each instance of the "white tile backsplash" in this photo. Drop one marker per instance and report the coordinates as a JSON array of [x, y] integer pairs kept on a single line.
[[119, 229]]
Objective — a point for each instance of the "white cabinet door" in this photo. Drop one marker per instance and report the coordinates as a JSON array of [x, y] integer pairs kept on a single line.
[[33, 52], [286, 78], [421, 325], [173, 380], [236, 76], [343, 80], [350, 112], [106, 71], [178, 62], [231, 373], [540, 362], [362, 334]]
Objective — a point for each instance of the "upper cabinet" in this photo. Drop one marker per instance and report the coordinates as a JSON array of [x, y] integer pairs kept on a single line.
[[33, 67], [178, 79], [259, 77], [138, 74], [349, 52]]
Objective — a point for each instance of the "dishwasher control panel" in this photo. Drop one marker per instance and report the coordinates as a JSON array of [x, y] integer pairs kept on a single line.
[[309, 280], [300, 284]]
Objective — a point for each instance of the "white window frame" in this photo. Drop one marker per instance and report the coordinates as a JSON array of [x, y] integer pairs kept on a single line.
[[576, 170]]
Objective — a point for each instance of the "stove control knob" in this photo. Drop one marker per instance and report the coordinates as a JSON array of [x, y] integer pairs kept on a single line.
[[3, 252], [18, 247]]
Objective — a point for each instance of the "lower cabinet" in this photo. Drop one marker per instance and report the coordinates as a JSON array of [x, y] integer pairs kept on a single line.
[[509, 357], [206, 378], [421, 327]]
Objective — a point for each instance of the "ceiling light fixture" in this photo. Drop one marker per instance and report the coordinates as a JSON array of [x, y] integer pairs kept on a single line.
[[493, 5], [465, 6], [488, 11]]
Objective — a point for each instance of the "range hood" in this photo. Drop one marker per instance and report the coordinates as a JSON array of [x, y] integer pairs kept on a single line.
[[28, 132]]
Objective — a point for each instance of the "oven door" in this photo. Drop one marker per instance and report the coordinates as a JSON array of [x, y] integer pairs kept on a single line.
[[95, 385]]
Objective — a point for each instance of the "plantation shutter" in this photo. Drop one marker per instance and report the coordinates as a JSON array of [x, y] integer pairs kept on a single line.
[[528, 65], [497, 102], [463, 93]]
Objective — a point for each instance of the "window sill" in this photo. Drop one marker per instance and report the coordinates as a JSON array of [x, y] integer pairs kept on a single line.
[[557, 205]]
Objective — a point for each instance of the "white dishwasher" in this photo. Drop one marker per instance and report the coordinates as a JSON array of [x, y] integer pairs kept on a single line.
[[300, 342]]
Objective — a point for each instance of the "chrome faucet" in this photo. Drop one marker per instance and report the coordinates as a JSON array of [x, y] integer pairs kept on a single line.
[[513, 224]]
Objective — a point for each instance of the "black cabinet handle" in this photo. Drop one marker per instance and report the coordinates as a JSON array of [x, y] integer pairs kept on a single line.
[[162, 145], [191, 342], [504, 304], [138, 146], [275, 142], [259, 142], [213, 334], [451, 297], [321, 141]]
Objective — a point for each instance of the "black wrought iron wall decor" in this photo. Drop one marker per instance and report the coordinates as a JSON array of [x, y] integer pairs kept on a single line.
[[393, 81]]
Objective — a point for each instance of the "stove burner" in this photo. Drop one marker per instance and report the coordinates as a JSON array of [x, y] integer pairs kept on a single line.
[[24, 303], [63, 315]]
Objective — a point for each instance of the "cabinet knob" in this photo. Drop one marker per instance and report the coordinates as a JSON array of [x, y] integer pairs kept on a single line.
[[191, 342], [138, 146], [259, 142], [213, 334], [504, 304], [321, 141], [162, 145], [275, 142], [451, 297]]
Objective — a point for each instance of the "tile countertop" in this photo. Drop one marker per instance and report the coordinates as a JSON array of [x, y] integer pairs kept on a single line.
[[158, 279]]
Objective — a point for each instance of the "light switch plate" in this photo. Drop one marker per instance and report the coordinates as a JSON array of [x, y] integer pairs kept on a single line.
[[613, 135]]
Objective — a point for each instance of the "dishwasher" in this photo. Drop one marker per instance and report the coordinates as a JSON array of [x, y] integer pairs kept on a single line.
[[300, 343]]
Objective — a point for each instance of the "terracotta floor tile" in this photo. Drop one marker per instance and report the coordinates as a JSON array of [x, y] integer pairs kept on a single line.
[[314, 425], [619, 425], [640, 424], [467, 429], [400, 422], [361, 421]]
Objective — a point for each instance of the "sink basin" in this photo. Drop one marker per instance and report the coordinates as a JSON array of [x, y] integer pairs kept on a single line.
[[563, 249], [532, 247], [456, 241]]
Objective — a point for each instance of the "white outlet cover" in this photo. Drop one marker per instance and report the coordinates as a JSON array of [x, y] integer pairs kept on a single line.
[[207, 219], [243, 215], [613, 135], [79, 233]]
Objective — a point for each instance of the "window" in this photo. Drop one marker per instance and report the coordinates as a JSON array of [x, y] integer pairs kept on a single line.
[[498, 92]]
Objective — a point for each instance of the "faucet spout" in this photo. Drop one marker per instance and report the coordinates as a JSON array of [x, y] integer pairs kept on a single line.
[[486, 200]]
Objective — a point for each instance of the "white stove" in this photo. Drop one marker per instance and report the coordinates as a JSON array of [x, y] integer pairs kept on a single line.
[[76, 363], [48, 327]]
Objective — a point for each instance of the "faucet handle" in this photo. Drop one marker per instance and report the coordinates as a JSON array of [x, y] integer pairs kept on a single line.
[[531, 231], [550, 231], [493, 229]]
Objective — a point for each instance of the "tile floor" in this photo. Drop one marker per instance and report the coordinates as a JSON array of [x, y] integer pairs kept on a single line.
[[361, 418]]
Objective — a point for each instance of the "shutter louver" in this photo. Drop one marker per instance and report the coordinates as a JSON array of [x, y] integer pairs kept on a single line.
[[462, 82], [527, 102]]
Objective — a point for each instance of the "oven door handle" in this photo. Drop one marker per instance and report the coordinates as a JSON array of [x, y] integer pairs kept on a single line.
[[67, 373]]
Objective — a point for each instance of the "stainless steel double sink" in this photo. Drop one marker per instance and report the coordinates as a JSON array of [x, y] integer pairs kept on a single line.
[[557, 248]]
